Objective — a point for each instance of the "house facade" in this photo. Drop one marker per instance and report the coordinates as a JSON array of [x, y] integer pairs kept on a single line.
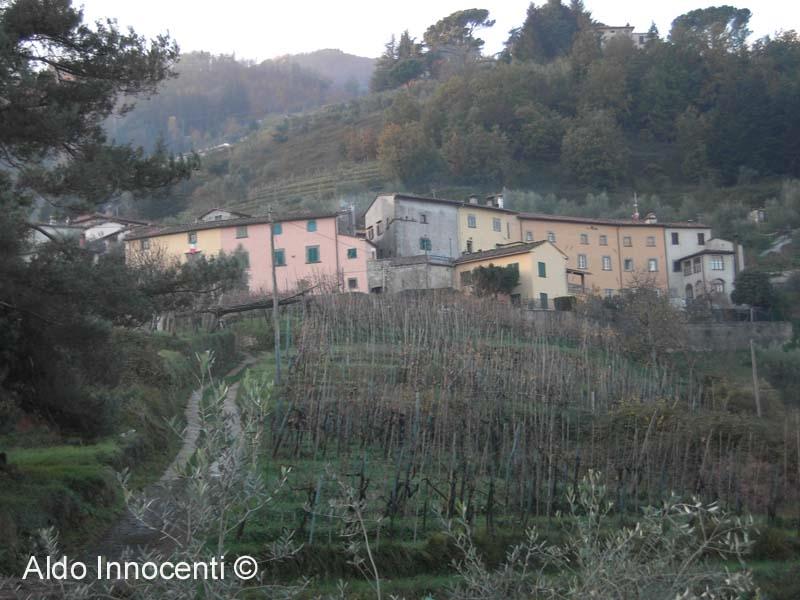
[[308, 250], [708, 274], [541, 265], [402, 225], [485, 225]]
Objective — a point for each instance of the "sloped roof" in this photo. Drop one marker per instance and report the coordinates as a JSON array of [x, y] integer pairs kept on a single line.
[[227, 210], [612, 222], [507, 250], [159, 231]]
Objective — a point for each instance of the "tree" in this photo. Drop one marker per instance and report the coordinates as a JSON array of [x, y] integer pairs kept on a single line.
[[753, 288], [476, 155], [399, 64], [451, 41], [547, 33], [494, 280], [594, 149], [716, 28], [59, 80], [406, 153]]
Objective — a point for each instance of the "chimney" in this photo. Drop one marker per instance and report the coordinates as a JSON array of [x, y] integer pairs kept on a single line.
[[635, 215], [499, 201]]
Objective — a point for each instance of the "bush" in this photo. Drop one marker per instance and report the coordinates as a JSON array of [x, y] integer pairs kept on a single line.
[[780, 369], [772, 544]]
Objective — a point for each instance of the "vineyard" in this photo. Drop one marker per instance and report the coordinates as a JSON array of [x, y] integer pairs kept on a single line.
[[423, 409]]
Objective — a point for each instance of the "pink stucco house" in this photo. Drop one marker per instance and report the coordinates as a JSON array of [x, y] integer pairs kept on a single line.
[[309, 252]]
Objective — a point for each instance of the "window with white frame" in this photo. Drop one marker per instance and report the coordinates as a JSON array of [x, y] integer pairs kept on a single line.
[[606, 263], [652, 265], [582, 262], [651, 240], [497, 225], [472, 221], [687, 267], [551, 237], [604, 240], [717, 263], [696, 264], [584, 238], [718, 285], [627, 241], [528, 236], [628, 264]]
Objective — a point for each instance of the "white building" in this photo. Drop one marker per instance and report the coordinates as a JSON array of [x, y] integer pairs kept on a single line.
[[709, 273], [609, 32], [681, 242]]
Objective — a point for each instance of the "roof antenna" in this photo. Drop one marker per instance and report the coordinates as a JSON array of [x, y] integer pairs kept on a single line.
[[635, 207]]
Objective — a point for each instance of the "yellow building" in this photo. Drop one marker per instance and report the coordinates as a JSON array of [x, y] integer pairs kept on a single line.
[[485, 226], [181, 242], [542, 271]]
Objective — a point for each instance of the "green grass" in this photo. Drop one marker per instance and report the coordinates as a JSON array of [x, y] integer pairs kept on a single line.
[[72, 488]]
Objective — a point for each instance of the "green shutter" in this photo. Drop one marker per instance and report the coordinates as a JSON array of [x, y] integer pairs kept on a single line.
[[542, 270]]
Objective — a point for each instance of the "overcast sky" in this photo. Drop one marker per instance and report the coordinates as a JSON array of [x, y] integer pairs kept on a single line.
[[260, 29]]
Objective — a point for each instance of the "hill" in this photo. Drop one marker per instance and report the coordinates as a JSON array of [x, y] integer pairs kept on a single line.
[[346, 71], [220, 99]]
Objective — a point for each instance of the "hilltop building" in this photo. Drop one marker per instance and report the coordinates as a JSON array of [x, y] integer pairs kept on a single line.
[[609, 32]]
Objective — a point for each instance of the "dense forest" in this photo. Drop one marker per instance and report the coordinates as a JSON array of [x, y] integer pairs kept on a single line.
[[700, 105], [218, 99]]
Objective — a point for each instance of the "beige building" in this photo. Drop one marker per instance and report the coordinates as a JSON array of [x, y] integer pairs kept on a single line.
[[485, 225], [607, 255], [541, 265]]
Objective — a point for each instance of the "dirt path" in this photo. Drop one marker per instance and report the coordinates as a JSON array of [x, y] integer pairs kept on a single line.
[[129, 533]]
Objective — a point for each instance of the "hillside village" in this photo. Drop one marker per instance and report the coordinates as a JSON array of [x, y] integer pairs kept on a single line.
[[409, 242], [449, 323]]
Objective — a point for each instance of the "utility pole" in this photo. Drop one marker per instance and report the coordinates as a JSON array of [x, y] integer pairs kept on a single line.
[[276, 324], [755, 378]]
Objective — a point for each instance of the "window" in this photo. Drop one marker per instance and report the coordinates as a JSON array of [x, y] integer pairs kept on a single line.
[[718, 286], [697, 265], [466, 278], [528, 236], [311, 225], [277, 228], [675, 241], [370, 232], [218, 217], [652, 265], [543, 302], [423, 218], [379, 227], [582, 262], [551, 237], [425, 244], [584, 238], [241, 231], [687, 267], [701, 239], [627, 241], [145, 245], [606, 263], [604, 240], [472, 222], [651, 240], [352, 283], [192, 237], [689, 292], [497, 225], [280, 257], [352, 253], [676, 266], [628, 264], [469, 246], [312, 254], [717, 263], [542, 270]]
